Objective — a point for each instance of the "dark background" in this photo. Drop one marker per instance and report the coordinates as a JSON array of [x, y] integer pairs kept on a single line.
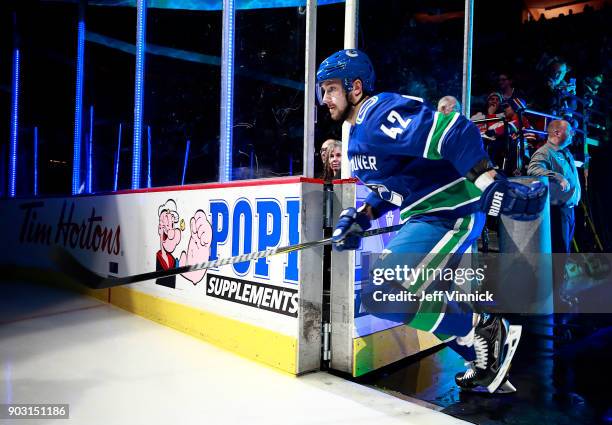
[[417, 49]]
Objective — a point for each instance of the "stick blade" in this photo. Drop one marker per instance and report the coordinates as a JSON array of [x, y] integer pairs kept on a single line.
[[70, 266]]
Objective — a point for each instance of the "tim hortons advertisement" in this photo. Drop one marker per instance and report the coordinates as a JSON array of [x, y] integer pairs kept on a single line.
[[130, 233]]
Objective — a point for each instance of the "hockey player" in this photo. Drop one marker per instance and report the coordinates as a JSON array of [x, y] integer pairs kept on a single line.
[[434, 168]]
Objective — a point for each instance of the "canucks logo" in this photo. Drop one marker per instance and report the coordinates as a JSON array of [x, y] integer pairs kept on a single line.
[[365, 108]]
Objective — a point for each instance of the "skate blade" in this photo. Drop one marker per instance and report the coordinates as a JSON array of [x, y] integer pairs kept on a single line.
[[505, 388], [514, 336]]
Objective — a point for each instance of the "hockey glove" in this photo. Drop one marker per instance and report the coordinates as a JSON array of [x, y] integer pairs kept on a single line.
[[520, 202], [349, 229]]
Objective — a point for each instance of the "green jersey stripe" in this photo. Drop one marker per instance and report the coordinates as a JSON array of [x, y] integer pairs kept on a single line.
[[449, 197], [429, 314], [442, 124]]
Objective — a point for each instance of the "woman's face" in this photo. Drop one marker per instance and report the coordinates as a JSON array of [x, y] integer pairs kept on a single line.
[[335, 158]]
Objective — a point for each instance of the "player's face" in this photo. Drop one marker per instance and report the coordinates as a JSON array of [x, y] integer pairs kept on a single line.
[[334, 97], [335, 159]]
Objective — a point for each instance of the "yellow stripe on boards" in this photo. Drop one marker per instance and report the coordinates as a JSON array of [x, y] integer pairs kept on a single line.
[[263, 345], [379, 349]]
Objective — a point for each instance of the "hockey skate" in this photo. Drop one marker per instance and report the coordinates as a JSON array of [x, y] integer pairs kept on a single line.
[[505, 388], [495, 343]]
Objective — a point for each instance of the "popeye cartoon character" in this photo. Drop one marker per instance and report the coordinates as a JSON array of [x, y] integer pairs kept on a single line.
[[198, 249]]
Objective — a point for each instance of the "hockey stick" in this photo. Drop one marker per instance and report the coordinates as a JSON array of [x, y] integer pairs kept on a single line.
[[73, 268]]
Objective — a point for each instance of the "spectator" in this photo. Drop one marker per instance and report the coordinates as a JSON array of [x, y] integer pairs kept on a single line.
[[555, 161], [561, 94], [324, 151], [492, 132], [504, 83], [591, 88], [494, 101], [530, 139], [332, 164], [492, 110], [556, 75], [507, 91], [513, 121], [331, 168], [449, 104]]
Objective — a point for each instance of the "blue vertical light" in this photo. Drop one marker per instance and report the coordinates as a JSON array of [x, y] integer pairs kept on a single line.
[[14, 126], [227, 91], [35, 161], [185, 162], [148, 156], [76, 159], [90, 151], [141, 28], [3, 169], [117, 156]]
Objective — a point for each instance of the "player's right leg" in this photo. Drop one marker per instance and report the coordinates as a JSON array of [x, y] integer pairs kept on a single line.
[[424, 243], [495, 343], [440, 243]]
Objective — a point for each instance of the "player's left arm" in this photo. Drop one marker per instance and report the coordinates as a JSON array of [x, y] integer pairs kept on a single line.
[[463, 147]]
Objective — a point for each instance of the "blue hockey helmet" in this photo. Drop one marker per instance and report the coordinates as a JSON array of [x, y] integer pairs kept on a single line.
[[347, 65]]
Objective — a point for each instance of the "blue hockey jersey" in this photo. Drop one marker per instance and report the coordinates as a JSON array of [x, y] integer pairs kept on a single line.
[[414, 158]]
